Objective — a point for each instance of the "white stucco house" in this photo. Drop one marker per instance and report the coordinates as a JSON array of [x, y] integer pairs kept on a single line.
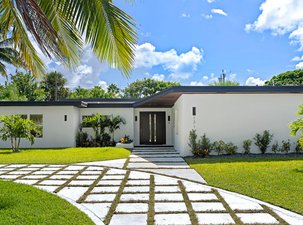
[[232, 114]]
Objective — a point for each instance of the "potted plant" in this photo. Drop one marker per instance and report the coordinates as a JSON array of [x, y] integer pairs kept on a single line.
[[125, 142]]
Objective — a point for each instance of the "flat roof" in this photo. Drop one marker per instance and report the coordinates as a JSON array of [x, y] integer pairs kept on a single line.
[[166, 98]]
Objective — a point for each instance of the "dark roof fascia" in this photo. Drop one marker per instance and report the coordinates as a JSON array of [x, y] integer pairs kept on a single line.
[[110, 105], [223, 90], [79, 104], [101, 100]]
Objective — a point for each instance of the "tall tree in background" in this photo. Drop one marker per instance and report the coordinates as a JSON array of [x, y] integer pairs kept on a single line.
[[54, 86], [58, 27], [225, 83], [8, 54], [289, 78], [146, 87], [114, 90]]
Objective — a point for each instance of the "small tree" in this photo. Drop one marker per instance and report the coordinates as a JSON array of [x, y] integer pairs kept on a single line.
[[263, 140], [115, 124], [246, 145], [192, 142], [14, 128], [297, 126]]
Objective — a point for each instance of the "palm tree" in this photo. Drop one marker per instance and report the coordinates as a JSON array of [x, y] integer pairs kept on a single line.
[[8, 55], [57, 27], [115, 124]]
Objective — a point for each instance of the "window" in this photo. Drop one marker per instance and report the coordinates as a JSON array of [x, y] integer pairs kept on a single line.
[[23, 116], [38, 120]]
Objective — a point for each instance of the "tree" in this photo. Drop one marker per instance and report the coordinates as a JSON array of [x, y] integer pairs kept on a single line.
[[54, 86], [58, 27], [9, 92], [294, 78], [114, 91], [115, 124], [146, 87], [95, 92], [27, 86], [14, 128], [8, 55], [297, 126], [224, 83]]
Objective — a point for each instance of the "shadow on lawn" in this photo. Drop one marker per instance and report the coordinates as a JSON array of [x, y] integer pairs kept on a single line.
[[6, 202], [244, 158]]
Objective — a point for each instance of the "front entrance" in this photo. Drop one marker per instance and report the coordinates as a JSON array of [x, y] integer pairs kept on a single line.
[[152, 128]]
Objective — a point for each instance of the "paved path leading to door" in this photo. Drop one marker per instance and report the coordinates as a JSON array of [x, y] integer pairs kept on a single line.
[[114, 196]]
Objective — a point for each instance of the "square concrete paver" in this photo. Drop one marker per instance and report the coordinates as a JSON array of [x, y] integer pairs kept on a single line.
[[93, 172], [108, 189], [81, 182], [238, 203], [9, 177], [59, 177], [137, 189], [214, 218], [99, 209], [161, 180], [170, 207], [87, 177], [113, 177], [253, 218], [201, 196], [52, 182], [26, 181], [138, 182], [47, 188], [73, 193], [159, 189], [175, 219], [18, 172], [128, 219], [34, 177], [116, 171], [110, 182], [134, 197], [64, 172], [168, 197], [101, 197], [138, 175], [193, 187], [207, 206], [132, 208]]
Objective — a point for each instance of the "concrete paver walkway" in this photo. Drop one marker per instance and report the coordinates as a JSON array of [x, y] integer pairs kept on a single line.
[[127, 197]]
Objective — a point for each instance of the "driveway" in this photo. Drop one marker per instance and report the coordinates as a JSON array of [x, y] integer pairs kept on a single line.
[[118, 196]]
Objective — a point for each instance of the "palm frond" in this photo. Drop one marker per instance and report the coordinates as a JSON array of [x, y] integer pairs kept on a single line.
[[3, 70]]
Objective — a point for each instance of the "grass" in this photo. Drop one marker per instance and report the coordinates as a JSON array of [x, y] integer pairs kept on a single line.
[[278, 180], [23, 204], [63, 156]]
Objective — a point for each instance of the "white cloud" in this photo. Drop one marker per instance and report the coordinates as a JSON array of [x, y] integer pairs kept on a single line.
[[299, 65], [255, 81], [211, 1], [179, 66], [158, 77], [185, 15], [196, 83], [207, 16], [219, 12], [297, 58], [205, 77]]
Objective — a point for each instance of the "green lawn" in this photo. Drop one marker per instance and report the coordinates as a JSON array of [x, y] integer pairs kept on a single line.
[[278, 180], [23, 204], [67, 155]]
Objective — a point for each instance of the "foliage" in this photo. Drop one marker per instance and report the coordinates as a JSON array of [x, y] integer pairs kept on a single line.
[[146, 87], [14, 128], [219, 147], [293, 78], [82, 139], [193, 143], [285, 146], [230, 148], [204, 146], [275, 147], [225, 83], [9, 92], [298, 149], [114, 91], [126, 140], [8, 55], [27, 86], [297, 126], [60, 29], [54, 85], [263, 140], [95, 92], [115, 124], [246, 146]]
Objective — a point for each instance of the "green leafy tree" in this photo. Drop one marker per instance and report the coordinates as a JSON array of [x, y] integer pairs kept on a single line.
[[146, 87], [14, 128], [95, 92], [115, 124], [9, 92], [8, 54], [114, 91], [289, 78], [262, 141], [54, 86], [28, 86], [297, 126], [79, 92], [225, 83], [61, 28]]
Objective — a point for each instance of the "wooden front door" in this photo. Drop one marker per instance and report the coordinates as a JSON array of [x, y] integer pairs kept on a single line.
[[152, 128]]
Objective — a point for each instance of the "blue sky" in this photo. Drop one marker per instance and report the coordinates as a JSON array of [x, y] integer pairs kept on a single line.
[[191, 41]]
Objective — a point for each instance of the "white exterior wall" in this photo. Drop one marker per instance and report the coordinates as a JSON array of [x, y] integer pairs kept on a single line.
[[126, 113], [169, 124], [56, 132], [235, 117]]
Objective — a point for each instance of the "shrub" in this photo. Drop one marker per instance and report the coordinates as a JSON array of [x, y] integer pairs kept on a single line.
[[297, 126], [105, 140], [126, 140], [263, 140], [82, 140], [247, 145], [299, 149], [230, 148], [275, 147], [204, 146], [285, 146], [193, 144], [219, 147]]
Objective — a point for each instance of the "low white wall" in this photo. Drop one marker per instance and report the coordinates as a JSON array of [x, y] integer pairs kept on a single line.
[[56, 132], [169, 124], [234, 117], [126, 113]]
